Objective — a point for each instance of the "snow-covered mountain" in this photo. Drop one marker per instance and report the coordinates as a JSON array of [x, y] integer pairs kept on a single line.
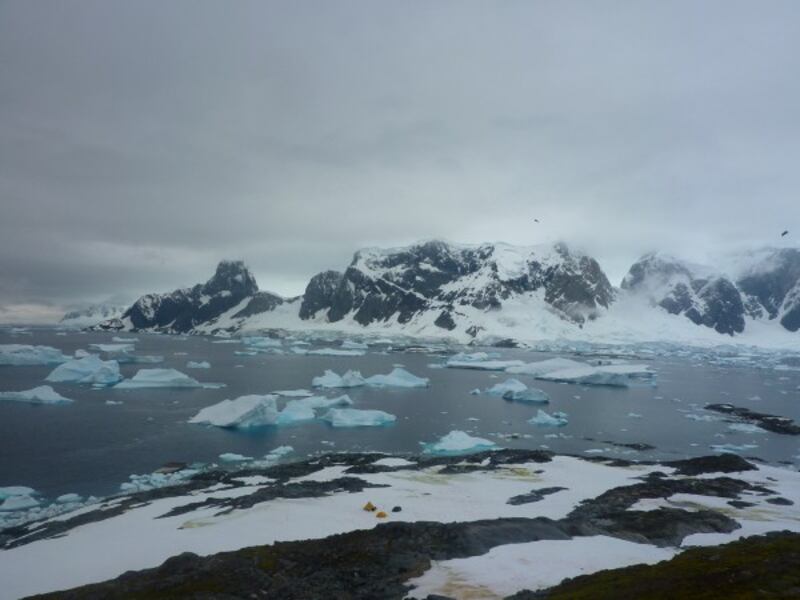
[[86, 316], [759, 286], [493, 291], [182, 311]]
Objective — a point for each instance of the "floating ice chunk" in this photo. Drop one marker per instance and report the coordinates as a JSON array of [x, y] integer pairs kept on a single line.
[[243, 412], [611, 375], [529, 396], [112, 348], [122, 340], [545, 366], [320, 402], [458, 442], [114, 402], [509, 385], [227, 341], [746, 428], [15, 490], [279, 452], [15, 503], [42, 394], [732, 448], [261, 342], [353, 417], [633, 415], [333, 352], [203, 364], [23, 354], [233, 457], [332, 380], [69, 499], [295, 412], [245, 353], [151, 481], [398, 378], [293, 393], [703, 418], [480, 361], [351, 345], [475, 392], [89, 369], [158, 378], [543, 419]]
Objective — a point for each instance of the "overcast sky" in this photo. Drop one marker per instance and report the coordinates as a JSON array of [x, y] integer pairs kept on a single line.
[[141, 142]]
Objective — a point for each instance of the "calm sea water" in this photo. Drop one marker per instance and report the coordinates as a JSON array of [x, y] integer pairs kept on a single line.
[[90, 447]]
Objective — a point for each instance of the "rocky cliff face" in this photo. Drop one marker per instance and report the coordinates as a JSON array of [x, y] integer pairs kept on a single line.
[[767, 288], [182, 310], [380, 285]]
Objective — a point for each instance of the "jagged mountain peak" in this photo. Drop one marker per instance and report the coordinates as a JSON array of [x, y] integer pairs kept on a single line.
[[232, 276]]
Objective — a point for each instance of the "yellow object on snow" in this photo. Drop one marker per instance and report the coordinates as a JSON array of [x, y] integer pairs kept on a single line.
[[381, 515], [369, 507]]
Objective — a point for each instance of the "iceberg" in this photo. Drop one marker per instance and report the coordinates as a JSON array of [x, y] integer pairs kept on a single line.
[[509, 385], [320, 402], [242, 413], [458, 442], [122, 340], [529, 396], [112, 348], [331, 352], [543, 367], [353, 417], [15, 490], [261, 342], [203, 364], [398, 378], [21, 502], [611, 375], [478, 362], [69, 499], [151, 481], [332, 380], [351, 345], [543, 419], [233, 457], [24, 355], [158, 378], [732, 448], [43, 394], [89, 369]]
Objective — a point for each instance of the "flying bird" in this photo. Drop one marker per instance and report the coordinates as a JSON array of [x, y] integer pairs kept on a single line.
[[785, 233], [536, 220]]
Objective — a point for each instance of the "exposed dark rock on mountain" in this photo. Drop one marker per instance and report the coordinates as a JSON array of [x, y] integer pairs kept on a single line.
[[380, 285], [182, 310]]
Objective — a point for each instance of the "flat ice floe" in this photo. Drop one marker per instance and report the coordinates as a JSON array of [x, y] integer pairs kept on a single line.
[[42, 394], [158, 378], [543, 367], [203, 364], [89, 369], [458, 442], [611, 375], [25, 355], [353, 417]]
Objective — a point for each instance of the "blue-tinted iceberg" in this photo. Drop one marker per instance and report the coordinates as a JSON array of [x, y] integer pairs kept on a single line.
[[158, 378], [480, 361], [352, 417], [351, 345], [243, 412], [398, 378], [331, 352], [332, 380], [458, 442], [233, 457], [261, 342], [24, 354], [203, 364], [89, 369], [543, 419], [112, 348], [43, 394], [509, 385]]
